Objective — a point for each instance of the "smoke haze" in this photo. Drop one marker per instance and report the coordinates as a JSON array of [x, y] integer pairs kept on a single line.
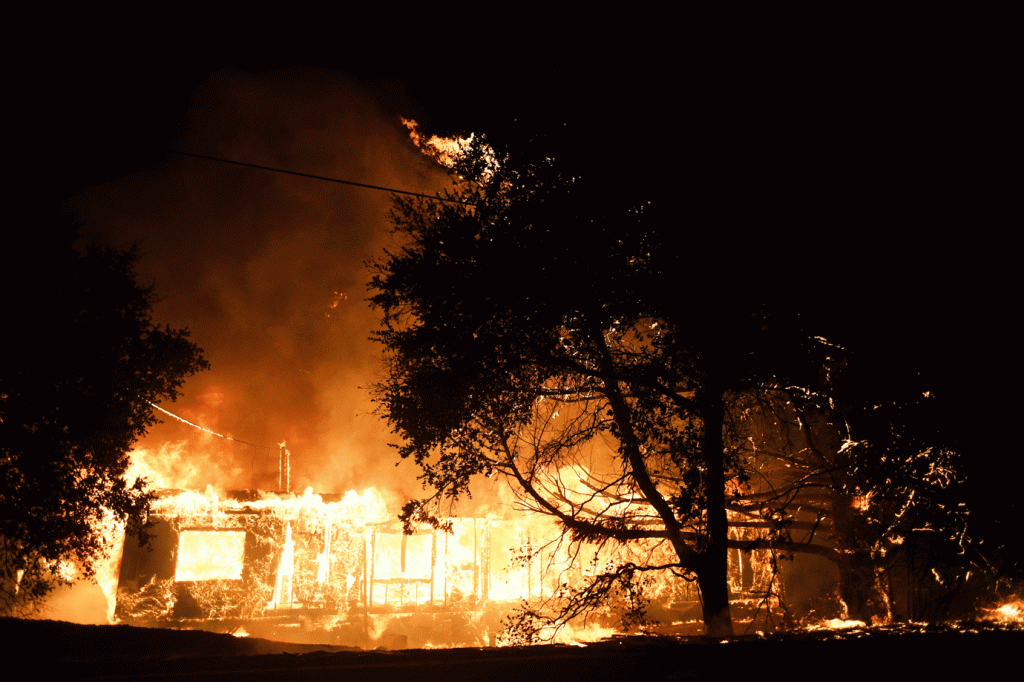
[[268, 272]]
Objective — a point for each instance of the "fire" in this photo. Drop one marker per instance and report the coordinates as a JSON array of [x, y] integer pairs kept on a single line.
[[837, 624], [336, 560], [447, 150], [176, 465], [341, 566], [210, 555], [1010, 612], [257, 557], [107, 568], [579, 636], [366, 507]]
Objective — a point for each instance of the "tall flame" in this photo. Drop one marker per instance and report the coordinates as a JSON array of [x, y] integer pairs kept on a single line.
[[1009, 612], [176, 465], [447, 150]]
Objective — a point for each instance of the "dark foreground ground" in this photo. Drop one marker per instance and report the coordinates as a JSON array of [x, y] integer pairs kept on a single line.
[[58, 650]]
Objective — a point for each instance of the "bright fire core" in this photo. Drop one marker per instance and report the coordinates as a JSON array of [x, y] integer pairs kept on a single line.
[[210, 555]]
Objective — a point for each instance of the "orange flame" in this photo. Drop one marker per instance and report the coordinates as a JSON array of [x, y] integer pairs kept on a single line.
[[446, 150], [177, 465], [1009, 612]]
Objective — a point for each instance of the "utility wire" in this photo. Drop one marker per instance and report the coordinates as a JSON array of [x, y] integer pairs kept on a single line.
[[203, 428], [252, 461], [322, 177]]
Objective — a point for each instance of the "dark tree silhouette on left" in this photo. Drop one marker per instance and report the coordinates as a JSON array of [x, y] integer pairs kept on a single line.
[[82, 363]]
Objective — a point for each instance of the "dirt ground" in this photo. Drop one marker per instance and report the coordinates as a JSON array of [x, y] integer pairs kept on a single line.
[[59, 650]]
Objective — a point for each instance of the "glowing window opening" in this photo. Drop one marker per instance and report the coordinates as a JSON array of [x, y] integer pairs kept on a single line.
[[210, 555], [403, 557]]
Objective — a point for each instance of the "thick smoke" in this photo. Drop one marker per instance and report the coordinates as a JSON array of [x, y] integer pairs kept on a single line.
[[268, 272]]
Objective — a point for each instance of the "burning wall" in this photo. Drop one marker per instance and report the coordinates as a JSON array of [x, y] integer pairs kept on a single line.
[[340, 567]]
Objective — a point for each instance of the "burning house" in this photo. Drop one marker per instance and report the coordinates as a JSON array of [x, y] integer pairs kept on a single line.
[[337, 569]]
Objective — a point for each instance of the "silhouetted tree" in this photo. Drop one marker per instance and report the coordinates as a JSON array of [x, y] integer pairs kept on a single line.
[[83, 360], [870, 488], [900, 496], [555, 334]]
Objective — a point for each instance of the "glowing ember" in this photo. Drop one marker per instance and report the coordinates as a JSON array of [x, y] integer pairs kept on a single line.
[[579, 636], [838, 624]]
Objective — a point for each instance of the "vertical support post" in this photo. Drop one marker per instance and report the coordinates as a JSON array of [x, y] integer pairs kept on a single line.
[[433, 563], [485, 560], [284, 467], [476, 563], [252, 469], [373, 562]]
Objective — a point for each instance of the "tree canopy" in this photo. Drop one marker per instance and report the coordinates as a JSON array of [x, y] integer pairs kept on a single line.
[[662, 390], [549, 332], [83, 363]]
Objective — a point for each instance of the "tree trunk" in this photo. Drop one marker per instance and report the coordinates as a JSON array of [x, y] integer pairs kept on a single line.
[[714, 588], [853, 534], [859, 589], [713, 576]]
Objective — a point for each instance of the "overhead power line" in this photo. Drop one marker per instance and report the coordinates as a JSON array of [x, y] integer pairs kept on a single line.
[[322, 177], [255, 447], [203, 428]]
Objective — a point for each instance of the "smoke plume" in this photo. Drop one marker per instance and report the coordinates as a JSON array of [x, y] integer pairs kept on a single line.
[[268, 271]]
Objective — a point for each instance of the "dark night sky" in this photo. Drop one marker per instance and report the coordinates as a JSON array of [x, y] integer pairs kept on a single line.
[[871, 195]]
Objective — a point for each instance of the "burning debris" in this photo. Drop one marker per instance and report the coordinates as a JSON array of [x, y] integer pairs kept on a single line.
[[1012, 612]]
